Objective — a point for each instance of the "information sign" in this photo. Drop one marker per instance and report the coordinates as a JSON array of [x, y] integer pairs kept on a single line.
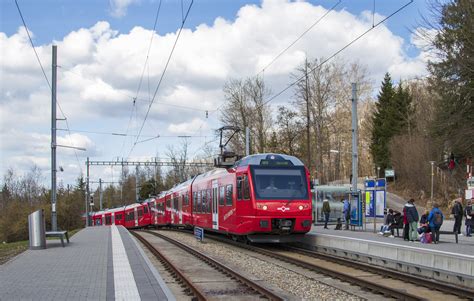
[[199, 233], [389, 173]]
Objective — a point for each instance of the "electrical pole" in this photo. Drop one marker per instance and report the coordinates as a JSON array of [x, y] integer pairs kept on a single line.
[[307, 115], [100, 194], [87, 192], [136, 184], [355, 159], [54, 222]]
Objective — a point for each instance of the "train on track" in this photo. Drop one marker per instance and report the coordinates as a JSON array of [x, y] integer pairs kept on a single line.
[[262, 197]]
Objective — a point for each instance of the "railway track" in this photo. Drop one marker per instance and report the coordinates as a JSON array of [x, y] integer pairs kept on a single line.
[[242, 289], [389, 283]]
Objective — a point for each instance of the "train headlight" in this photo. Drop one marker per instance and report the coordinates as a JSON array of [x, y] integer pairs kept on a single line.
[[300, 207], [264, 207]]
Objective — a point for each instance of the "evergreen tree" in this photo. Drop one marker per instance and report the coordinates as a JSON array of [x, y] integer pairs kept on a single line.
[[453, 76], [392, 117], [383, 123]]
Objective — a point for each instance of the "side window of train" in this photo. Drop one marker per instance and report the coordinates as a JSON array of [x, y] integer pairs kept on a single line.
[[209, 201], [118, 217], [199, 202], [228, 195], [140, 212], [168, 203], [239, 188], [145, 209], [246, 188], [221, 195], [194, 201]]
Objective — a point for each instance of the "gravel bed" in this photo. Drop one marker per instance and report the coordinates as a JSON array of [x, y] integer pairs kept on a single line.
[[296, 284]]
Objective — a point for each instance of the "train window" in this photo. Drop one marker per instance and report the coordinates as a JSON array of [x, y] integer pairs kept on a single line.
[[175, 203], [145, 209], [246, 188], [194, 201], [239, 188], [209, 200], [140, 212], [221, 195], [228, 195], [199, 202], [118, 217], [168, 203]]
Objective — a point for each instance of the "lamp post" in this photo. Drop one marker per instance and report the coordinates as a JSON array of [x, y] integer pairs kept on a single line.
[[432, 182], [378, 171]]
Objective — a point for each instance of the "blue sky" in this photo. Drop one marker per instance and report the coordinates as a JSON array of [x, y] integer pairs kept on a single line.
[[102, 52]]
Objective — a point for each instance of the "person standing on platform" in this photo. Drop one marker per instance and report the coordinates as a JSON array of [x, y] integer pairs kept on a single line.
[[406, 226], [457, 212], [469, 218], [346, 211], [435, 218], [326, 212], [412, 219]]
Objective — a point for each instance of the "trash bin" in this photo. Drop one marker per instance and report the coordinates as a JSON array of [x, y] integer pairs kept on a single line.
[[36, 228]]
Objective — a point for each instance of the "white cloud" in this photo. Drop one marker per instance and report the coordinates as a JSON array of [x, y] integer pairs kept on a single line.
[[101, 68], [118, 8]]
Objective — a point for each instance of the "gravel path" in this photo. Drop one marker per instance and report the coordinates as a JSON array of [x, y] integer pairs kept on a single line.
[[300, 285]]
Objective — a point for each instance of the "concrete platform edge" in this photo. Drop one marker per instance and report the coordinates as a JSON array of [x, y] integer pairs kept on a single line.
[[158, 278], [438, 265]]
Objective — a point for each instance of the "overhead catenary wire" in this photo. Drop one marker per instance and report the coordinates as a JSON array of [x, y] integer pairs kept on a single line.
[[335, 53], [47, 80], [162, 76]]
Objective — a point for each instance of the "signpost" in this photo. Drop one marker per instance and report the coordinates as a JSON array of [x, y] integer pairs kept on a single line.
[[199, 233]]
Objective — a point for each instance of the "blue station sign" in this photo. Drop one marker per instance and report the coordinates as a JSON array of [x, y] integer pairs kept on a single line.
[[199, 233]]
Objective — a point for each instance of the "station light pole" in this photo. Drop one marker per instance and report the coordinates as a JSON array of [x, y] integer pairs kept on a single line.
[[432, 180]]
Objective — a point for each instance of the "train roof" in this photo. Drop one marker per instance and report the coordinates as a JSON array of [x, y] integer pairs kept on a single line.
[[269, 159]]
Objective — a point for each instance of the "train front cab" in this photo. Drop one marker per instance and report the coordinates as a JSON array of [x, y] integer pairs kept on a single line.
[[273, 196]]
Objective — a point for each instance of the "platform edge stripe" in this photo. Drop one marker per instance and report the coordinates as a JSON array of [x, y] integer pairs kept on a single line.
[[471, 257], [124, 281], [110, 290], [153, 270]]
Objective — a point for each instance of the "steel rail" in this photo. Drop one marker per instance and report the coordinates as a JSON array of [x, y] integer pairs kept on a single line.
[[431, 284], [359, 281], [197, 292], [221, 267]]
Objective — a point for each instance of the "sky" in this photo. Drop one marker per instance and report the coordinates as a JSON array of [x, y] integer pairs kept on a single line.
[[102, 50]]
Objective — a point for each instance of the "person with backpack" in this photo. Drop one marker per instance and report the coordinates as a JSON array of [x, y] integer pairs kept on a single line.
[[326, 212], [346, 211], [412, 219], [435, 218], [469, 218], [457, 212]]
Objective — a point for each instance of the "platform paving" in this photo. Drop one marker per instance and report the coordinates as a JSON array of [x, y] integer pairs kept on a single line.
[[100, 263]]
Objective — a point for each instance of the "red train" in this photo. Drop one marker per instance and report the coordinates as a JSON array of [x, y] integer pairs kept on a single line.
[[263, 197]]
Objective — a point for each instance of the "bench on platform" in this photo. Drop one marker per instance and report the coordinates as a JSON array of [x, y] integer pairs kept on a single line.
[[59, 234], [449, 233]]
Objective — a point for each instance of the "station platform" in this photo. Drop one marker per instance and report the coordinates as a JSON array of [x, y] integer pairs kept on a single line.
[[100, 263], [445, 261]]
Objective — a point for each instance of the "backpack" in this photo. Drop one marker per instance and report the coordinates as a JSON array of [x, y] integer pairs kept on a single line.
[[438, 218], [426, 238]]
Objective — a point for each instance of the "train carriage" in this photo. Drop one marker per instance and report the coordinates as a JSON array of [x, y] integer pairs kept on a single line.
[[262, 197]]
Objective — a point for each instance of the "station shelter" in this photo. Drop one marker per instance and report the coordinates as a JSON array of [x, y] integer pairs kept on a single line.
[[336, 195]]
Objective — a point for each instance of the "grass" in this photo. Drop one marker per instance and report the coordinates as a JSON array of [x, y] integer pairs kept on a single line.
[[12, 249]]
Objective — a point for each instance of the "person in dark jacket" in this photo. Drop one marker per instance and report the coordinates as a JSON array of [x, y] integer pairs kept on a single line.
[[458, 213], [469, 218], [435, 218], [424, 223], [412, 219], [326, 212], [406, 226]]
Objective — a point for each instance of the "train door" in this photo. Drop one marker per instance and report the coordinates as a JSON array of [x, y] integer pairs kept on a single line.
[[215, 205], [172, 211], [136, 216], [180, 209], [113, 218], [155, 213]]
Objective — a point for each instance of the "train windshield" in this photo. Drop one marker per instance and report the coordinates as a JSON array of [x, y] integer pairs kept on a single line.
[[288, 183]]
